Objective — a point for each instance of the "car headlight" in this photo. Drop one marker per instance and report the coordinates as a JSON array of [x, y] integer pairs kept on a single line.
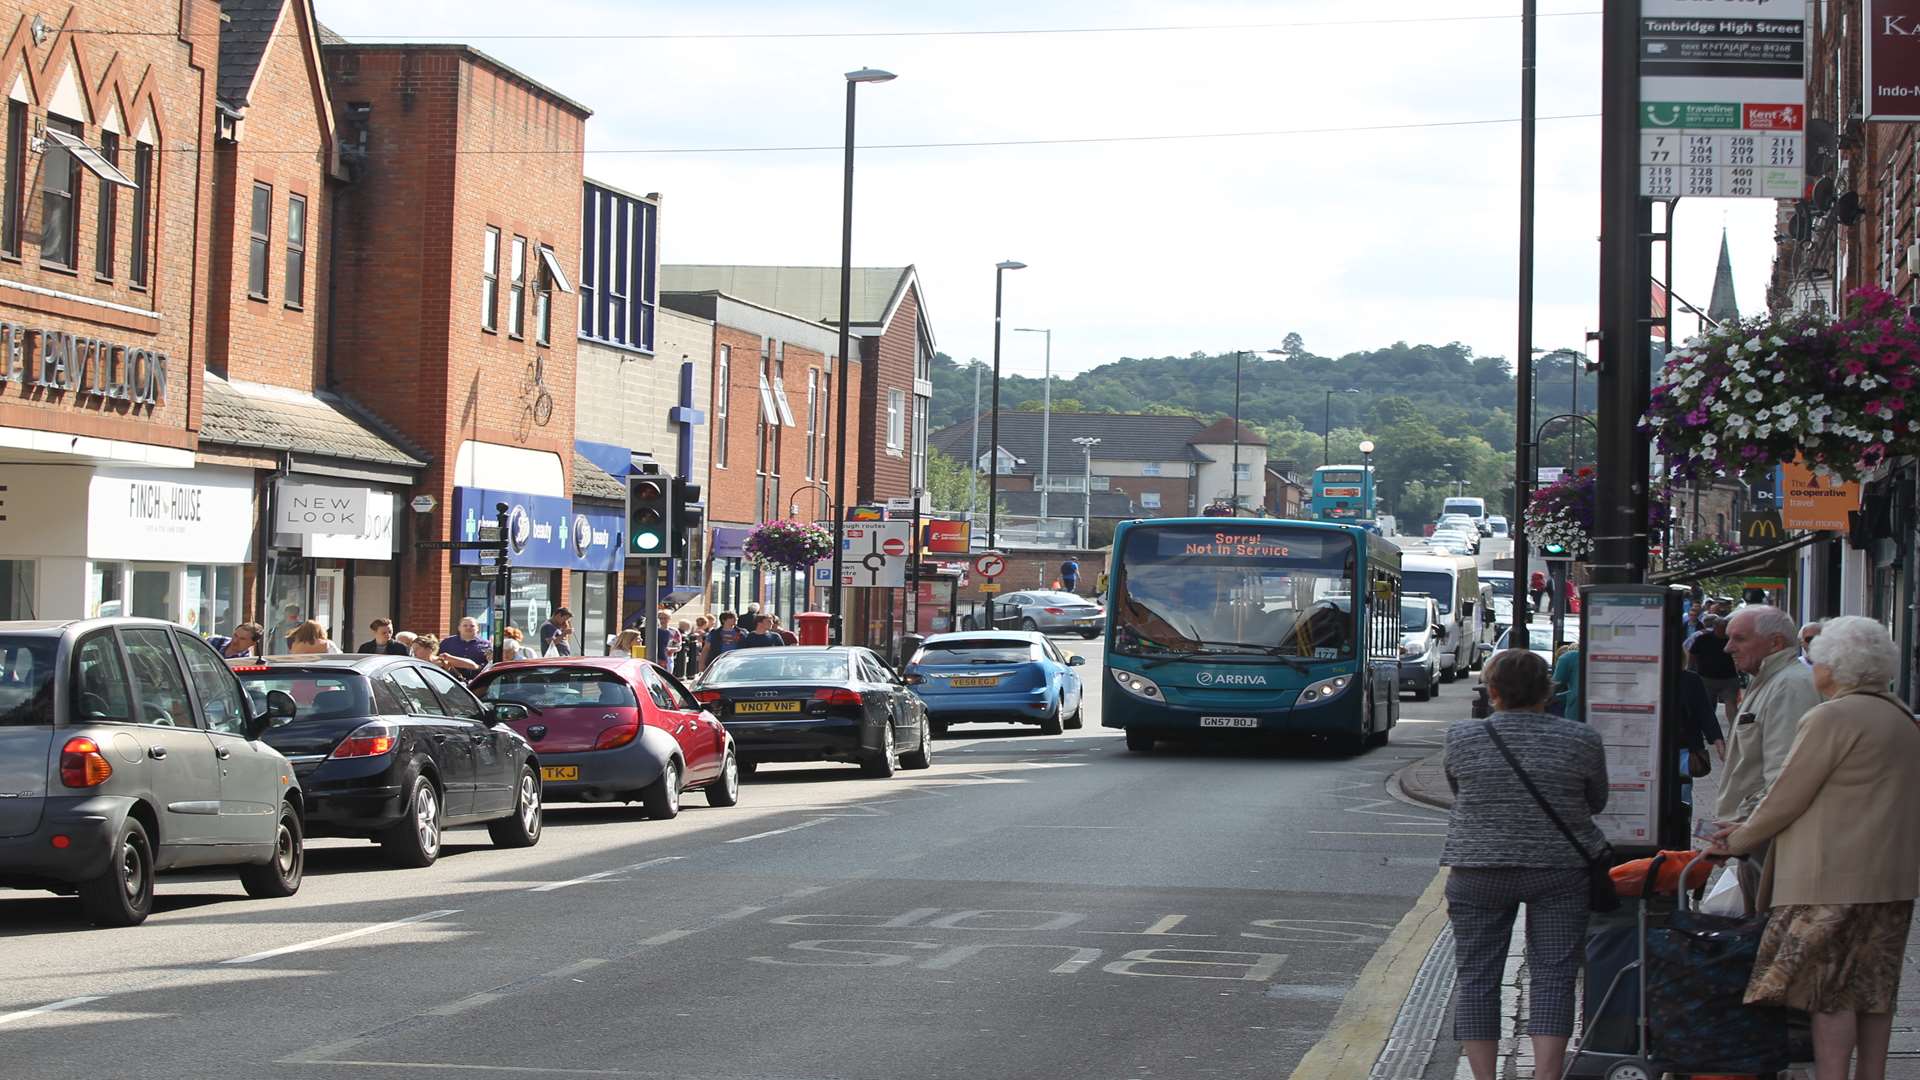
[[1325, 689], [1413, 650], [1138, 685]]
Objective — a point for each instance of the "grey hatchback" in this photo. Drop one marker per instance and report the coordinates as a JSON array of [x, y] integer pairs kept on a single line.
[[127, 747]]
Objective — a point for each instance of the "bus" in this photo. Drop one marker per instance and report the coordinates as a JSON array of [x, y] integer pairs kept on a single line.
[[1342, 493], [1252, 626]]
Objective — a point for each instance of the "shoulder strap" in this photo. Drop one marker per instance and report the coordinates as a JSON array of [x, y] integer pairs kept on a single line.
[[1527, 782], [1893, 701]]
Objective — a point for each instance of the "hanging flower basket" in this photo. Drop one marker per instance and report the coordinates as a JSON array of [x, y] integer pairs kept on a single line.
[[789, 545], [1562, 513], [1841, 395]]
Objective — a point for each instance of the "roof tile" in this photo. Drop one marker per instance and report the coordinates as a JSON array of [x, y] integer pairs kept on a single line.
[[326, 425], [243, 42]]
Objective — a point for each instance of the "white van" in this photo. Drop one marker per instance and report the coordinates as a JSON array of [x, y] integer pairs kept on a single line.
[[1473, 506], [1454, 583]]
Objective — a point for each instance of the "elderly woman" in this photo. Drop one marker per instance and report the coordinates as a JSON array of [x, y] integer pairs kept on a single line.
[[1505, 850], [1845, 865]]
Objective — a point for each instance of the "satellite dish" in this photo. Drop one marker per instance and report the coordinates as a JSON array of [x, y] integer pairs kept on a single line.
[[1823, 195]]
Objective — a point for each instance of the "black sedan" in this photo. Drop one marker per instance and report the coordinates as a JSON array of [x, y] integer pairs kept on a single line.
[[805, 703], [391, 749]]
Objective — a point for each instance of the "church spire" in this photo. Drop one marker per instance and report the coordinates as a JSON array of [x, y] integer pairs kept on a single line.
[[1722, 308]]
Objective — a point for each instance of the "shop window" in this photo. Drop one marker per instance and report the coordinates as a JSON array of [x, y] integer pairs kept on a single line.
[[152, 593], [593, 619], [532, 602], [490, 280], [813, 419], [106, 590], [296, 268], [259, 238], [103, 235], [1150, 500], [142, 215], [16, 589], [287, 596], [517, 288], [59, 198], [16, 179], [212, 595]]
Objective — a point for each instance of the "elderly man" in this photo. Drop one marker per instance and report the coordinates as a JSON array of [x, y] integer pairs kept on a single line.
[[1763, 643], [1808, 632]]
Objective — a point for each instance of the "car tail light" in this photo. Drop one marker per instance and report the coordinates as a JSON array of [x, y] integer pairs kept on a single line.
[[707, 697], [367, 740], [618, 735], [82, 765], [1055, 610], [837, 696], [249, 667]]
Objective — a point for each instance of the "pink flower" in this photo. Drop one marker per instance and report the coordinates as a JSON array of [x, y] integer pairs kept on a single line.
[[1855, 367], [1903, 382]]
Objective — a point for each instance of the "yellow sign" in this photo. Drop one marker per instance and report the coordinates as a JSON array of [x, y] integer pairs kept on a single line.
[[1811, 502], [990, 587]]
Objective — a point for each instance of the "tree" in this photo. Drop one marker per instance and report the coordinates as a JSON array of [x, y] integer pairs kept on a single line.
[[1293, 344], [948, 484]]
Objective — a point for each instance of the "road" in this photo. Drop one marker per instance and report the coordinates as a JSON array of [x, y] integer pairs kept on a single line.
[[1030, 907]]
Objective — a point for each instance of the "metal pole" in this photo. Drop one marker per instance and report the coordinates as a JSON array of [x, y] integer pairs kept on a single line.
[[1237, 357], [993, 448], [502, 582], [1573, 432], [1086, 521], [1326, 431], [973, 464], [1523, 366], [846, 375], [1046, 428], [1620, 522]]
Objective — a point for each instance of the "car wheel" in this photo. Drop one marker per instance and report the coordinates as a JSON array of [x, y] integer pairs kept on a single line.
[[1423, 693], [725, 789], [662, 797], [1029, 626], [1077, 720], [281, 876], [748, 767], [939, 728], [522, 827], [1050, 724], [1089, 634], [884, 763], [123, 894], [1449, 674], [415, 840], [1381, 737], [1139, 741], [922, 757]]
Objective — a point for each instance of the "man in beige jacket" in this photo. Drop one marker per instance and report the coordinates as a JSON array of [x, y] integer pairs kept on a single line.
[[1764, 644]]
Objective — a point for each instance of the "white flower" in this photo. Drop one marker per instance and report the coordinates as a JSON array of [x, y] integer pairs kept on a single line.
[[1779, 376], [1754, 397], [1753, 344], [1776, 341], [1763, 430], [1709, 440], [1886, 435]]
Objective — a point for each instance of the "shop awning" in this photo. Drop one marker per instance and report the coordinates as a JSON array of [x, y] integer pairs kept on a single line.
[[1752, 559]]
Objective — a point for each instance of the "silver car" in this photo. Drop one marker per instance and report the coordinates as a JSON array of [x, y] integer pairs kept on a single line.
[[128, 747], [1045, 611]]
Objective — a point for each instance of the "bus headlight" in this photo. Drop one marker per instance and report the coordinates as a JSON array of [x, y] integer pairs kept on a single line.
[[1138, 685], [1324, 689]]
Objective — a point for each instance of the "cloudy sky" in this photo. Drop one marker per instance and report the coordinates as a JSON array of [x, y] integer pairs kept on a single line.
[[1365, 192]]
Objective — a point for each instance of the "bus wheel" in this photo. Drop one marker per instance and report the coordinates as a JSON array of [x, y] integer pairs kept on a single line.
[[1139, 741]]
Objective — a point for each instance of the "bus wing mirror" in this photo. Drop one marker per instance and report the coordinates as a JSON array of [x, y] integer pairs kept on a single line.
[[1466, 608]]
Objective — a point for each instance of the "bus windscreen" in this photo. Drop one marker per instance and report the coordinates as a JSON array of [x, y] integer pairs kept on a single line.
[[1236, 590]]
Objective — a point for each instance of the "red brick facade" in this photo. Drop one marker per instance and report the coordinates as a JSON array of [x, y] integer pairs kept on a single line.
[[885, 472]]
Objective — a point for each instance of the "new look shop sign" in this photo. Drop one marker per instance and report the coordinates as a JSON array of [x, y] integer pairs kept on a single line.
[[305, 509]]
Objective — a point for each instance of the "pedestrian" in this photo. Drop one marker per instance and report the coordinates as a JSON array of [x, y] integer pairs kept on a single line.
[[310, 639], [1808, 631], [683, 656], [245, 640], [1568, 701], [721, 640], [1100, 583], [762, 635], [664, 639], [1707, 654], [559, 625], [1504, 850], [1537, 588], [624, 641], [382, 643], [787, 637], [454, 664], [290, 620], [1070, 575], [1841, 880], [1699, 718], [1762, 642], [513, 644], [467, 644]]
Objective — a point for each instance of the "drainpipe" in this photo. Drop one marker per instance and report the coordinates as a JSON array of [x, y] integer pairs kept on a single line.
[[263, 556]]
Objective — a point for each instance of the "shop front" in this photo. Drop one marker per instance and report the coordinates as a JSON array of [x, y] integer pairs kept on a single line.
[[547, 537], [332, 558], [81, 541]]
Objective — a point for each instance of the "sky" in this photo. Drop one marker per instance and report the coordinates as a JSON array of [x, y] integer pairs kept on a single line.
[[1385, 210]]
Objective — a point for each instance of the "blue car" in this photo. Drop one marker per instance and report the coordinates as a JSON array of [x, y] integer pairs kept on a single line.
[[997, 676]]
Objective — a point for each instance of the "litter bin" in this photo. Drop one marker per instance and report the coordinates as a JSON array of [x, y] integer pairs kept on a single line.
[[812, 626]]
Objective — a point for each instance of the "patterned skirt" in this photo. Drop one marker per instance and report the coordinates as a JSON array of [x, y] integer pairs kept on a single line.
[[1832, 957]]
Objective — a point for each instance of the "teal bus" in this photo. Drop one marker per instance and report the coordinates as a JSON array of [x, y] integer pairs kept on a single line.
[[1252, 626], [1342, 493]]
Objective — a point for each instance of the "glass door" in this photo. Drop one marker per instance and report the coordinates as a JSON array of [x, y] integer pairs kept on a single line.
[[330, 601], [153, 594]]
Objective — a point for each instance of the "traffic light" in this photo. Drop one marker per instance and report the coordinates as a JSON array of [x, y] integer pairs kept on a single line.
[[1551, 550], [649, 516], [689, 514]]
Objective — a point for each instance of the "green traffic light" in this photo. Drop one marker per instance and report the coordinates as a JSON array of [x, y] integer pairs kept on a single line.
[[646, 541]]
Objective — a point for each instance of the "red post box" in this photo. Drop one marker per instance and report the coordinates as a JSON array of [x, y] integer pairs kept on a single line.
[[812, 626]]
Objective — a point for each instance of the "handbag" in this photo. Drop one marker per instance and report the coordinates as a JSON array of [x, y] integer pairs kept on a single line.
[[1600, 893], [1698, 763]]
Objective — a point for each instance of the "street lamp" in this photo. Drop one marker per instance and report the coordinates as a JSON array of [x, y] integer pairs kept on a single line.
[[993, 451], [1087, 443], [1238, 356], [854, 79], [1326, 426], [1366, 476], [1452, 477], [1046, 417]]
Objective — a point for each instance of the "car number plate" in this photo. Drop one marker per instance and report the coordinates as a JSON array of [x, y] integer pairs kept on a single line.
[[1229, 721], [976, 680], [750, 708], [559, 772]]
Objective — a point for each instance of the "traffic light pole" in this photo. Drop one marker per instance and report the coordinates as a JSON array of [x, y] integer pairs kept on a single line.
[[502, 581], [1523, 358]]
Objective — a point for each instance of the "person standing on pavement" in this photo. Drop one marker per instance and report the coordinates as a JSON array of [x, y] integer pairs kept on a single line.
[[558, 626], [466, 644], [683, 656], [310, 639], [787, 637], [456, 665], [1070, 575], [382, 643], [721, 640], [1504, 850], [762, 636], [1841, 881], [1808, 632], [245, 641], [1762, 643], [1568, 702], [1537, 588], [1707, 655]]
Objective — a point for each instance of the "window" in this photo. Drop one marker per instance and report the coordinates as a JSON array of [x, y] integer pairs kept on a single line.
[[921, 408], [260, 234], [722, 393], [296, 284], [1151, 468], [517, 288], [101, 681], [456, 699], [813, 419], [1149, 500], [220, 698], [490, 280], [109, 209], [159, 687], [1242, 470], [419, 697], [59, 198], [896, 418], [551, 277], [780, 401], [142, 204], [16, 178]]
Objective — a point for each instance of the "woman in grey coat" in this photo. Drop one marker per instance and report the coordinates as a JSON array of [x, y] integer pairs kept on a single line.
[[1505, 851]]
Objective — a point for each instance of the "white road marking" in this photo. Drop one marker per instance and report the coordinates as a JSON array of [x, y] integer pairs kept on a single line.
[[347, 936], [604, 874], [1073, 826], [777, 832], [51, 1006], [1331, 832], [524, 1069]]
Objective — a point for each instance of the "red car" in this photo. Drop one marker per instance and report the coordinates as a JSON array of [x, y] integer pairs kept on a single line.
[[614, 729]]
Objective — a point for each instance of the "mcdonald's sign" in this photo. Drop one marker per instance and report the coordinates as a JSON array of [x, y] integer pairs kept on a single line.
[[1759, 528]]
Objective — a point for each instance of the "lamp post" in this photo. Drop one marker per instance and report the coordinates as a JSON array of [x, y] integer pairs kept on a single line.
[[993, 451], [1326, 426], [1046, 416], [1238, 356], [1087, 443], [854, 79], [1366, 477]]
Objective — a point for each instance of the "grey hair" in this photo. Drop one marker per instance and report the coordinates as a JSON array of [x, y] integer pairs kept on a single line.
[[1858, 651], [1770, 621]]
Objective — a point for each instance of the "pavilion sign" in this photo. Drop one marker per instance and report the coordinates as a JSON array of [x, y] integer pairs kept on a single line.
[[89, 367]]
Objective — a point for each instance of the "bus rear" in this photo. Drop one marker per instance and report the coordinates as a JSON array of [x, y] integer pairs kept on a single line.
[[1237, 626], [1342, 494]]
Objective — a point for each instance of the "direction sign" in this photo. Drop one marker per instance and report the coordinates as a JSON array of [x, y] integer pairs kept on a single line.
[[424, 504], [874, 554], [991, 565], [1723, 98]]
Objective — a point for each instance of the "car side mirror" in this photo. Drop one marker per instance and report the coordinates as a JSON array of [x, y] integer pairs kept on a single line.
[[281, 704], [507, 712], [1440, 632], [1076, 660]]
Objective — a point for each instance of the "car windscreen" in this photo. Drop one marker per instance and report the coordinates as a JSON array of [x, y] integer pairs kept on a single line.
[[977, 651], [320, 693], [778, 665], [26, 679], [559, 686], [1413, 617], [1431, 582], [1502, 586]]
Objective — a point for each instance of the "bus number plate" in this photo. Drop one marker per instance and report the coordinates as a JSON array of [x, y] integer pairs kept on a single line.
[[1229, 721]]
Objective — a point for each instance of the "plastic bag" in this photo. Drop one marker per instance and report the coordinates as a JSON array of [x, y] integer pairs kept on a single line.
[[1724, 896]]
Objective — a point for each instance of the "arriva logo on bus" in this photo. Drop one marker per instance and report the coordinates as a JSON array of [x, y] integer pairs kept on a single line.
[[1229, 678]]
